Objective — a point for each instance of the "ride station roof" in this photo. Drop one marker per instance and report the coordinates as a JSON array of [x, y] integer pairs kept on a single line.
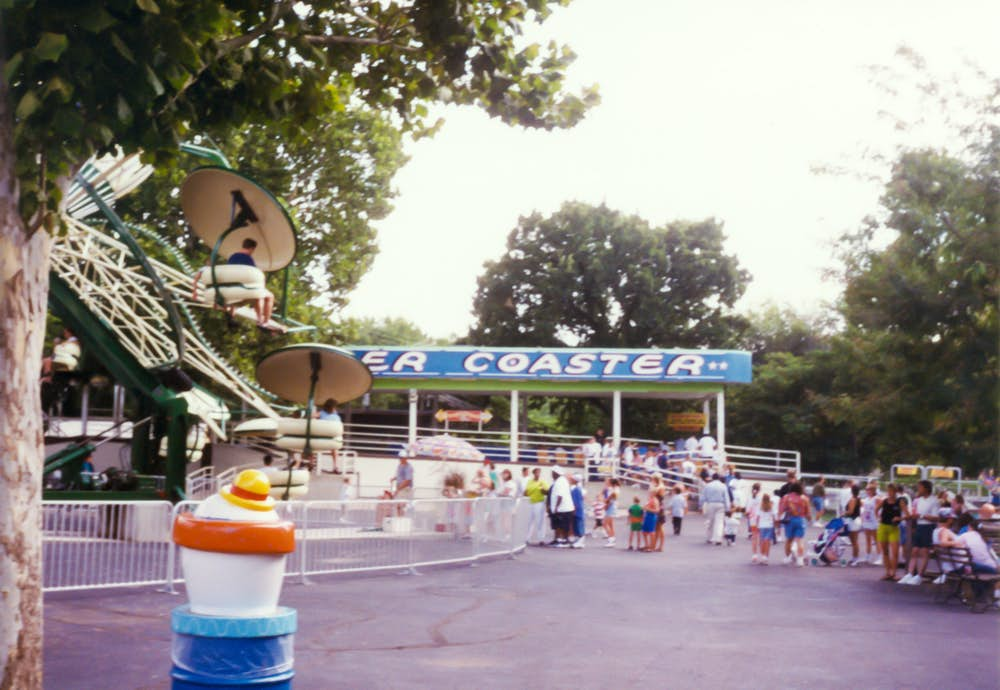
[[661, 373]]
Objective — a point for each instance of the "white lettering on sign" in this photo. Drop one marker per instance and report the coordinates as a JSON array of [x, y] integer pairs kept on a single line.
[[513, 363], [547, 362], [414, 360], [689, 363], [472, 362], [375, 360], [611, 359], [649, 364], [579, 364]]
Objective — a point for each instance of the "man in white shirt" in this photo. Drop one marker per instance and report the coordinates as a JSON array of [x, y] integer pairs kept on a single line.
[[714, 504], [706, 447], [608, 451], [691, 445], [522, 482], [561, 507]]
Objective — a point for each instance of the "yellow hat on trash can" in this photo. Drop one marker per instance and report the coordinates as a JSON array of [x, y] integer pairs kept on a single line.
[[250, 490]]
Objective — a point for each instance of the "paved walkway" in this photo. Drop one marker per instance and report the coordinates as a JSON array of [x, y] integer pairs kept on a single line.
[[696, 616]]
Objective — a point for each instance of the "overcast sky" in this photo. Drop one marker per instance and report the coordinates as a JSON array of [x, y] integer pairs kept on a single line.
[[708, 109]]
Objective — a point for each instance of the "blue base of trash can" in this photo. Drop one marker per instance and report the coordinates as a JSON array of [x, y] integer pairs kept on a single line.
[[218, 652]]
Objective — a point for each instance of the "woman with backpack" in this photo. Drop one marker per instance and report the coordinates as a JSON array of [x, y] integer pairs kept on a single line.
[[795, 512]]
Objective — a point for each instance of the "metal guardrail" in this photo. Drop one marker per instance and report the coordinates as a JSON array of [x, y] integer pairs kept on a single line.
[[102, 544], [763, 460], [94, 544]]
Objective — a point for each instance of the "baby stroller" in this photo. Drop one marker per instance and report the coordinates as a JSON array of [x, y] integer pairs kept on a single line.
[[831, 546]]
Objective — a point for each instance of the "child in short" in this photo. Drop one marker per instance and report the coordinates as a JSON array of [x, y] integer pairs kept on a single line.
[[600, 504], [764, 519], [678, 508], [649, 518], [635, 523], [729, 528]]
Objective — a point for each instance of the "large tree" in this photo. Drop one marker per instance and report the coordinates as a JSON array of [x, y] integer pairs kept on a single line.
[[921, 312], [912, 373], [589, 276], [78, 77]]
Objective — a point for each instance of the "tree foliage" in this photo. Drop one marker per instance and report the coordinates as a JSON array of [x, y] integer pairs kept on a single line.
[[924, 308], [590, 276], [144, 74], [912, 375]]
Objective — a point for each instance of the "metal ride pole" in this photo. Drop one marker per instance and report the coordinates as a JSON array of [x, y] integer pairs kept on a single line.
[[303, 545], [315, 364]]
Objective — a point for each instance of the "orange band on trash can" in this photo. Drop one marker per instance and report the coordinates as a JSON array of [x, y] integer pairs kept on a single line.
[[224, 536]]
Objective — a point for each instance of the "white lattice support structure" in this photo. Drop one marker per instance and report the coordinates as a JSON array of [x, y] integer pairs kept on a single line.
[[108, 280]]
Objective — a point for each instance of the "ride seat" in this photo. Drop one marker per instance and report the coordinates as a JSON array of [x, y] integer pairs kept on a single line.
[[66, 356], [197, 438], [325, 434], [236, 284], [289, 433]]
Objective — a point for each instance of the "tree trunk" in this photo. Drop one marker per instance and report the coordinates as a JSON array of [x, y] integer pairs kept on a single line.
[[24, 262]]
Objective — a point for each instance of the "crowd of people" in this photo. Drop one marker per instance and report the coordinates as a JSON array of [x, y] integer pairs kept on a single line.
[[875, 523]]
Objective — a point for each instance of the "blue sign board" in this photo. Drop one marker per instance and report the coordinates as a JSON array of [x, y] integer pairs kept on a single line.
[[709, 366]]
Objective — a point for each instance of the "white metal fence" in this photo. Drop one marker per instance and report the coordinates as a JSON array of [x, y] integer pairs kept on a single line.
[[92, 545]]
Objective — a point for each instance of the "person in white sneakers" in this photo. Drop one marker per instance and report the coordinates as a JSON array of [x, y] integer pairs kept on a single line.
[[763, 520], [794, 509], [714, 504], [941, 534], [925, 510], [752, 506], [869, 524]]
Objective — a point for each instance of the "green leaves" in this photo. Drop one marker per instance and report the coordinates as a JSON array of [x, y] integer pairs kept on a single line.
[[50, 46], [28, 104], [591, 276], [87, 74]]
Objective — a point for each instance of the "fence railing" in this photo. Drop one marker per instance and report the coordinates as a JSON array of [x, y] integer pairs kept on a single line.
[[200, 483], [93, 545], [763, 460]]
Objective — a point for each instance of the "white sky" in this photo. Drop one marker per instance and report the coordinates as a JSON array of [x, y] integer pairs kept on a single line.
[[708, 109]]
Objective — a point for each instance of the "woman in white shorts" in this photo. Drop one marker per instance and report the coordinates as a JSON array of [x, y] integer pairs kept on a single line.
[[869, 523]]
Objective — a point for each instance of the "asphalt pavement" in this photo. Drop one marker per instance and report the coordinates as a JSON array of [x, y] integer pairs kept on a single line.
[[694, 616]]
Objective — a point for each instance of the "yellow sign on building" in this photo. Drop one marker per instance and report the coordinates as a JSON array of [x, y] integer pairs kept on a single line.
[[686, 421]]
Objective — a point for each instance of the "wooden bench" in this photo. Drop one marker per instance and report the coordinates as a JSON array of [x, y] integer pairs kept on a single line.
[[973, 589]]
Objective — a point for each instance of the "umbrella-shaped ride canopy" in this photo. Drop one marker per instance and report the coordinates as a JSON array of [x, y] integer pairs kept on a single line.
[[339, 375], [218, 201], [446, 447]]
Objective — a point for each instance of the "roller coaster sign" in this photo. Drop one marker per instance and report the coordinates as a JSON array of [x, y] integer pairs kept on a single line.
[[709, 366]]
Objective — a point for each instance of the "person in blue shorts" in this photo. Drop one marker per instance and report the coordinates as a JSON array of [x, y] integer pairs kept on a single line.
[[579, 510], [650, 516], [794, 509]]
